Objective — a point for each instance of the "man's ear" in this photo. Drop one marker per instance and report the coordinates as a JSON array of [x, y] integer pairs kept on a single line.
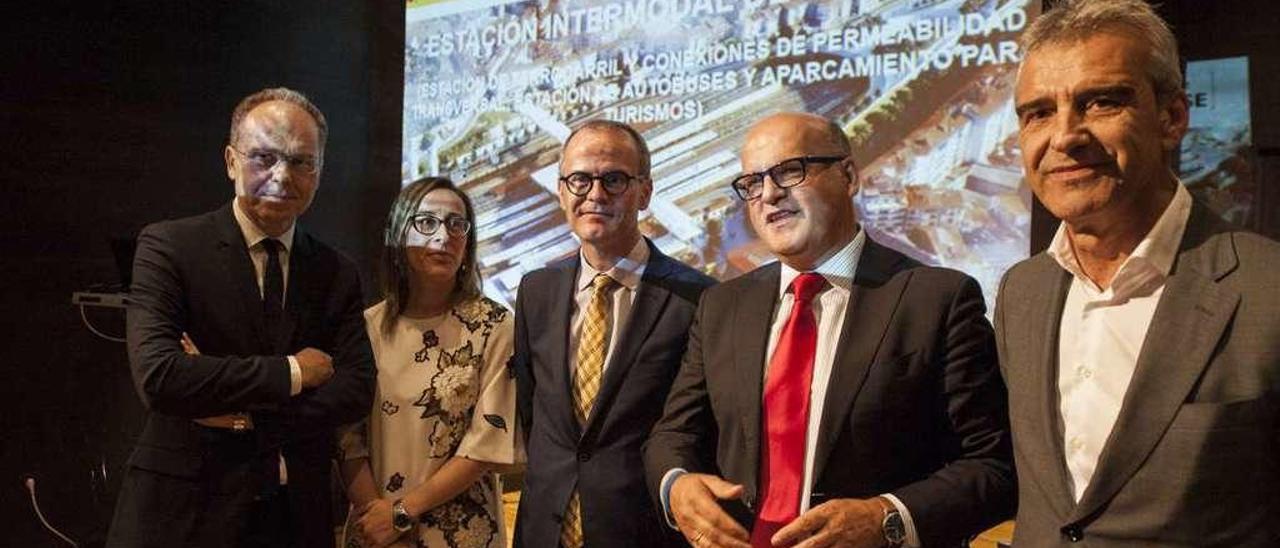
[[1175, 117], [646, 192], [229, 155], [852, 172]]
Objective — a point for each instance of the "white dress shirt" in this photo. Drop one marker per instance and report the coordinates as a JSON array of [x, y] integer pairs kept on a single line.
[[1101, 335], [829, 308], [626, 273]]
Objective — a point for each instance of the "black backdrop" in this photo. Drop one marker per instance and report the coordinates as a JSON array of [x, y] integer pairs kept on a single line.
[[114, 115]]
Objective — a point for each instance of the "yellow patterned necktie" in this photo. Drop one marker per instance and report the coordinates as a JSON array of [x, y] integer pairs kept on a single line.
[[592, 344]]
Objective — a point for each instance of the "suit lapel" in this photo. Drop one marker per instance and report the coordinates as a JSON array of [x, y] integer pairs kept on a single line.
[[1044, 316], [238, 269], [651, 298], [871, 307], [750, 337], [1190, 319], [561, 295]]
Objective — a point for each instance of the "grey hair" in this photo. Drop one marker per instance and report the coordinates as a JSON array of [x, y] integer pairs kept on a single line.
[[1072, 21], [278, 94], [610, 125]]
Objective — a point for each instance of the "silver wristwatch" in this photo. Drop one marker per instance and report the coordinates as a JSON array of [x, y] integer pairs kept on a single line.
[[400, 519]]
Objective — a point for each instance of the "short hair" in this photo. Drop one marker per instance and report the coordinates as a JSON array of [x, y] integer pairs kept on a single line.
[[395, 269], [278, 94], [610, 125], [1072, 21]]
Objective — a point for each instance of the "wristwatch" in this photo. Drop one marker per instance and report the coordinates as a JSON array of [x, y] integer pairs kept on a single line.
[[895, 532], [400, 519]]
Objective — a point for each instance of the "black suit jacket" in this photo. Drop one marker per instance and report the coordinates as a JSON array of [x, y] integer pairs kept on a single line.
[[915, 406], [603, 459], [189, 485]]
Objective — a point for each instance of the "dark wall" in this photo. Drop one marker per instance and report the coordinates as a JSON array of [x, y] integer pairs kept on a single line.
[[1231, 28], [115, 115]]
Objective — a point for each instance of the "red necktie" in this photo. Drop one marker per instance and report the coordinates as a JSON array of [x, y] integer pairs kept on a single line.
[[786, 413]]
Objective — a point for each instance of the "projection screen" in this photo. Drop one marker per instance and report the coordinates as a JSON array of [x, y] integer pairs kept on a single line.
[[923, 88]]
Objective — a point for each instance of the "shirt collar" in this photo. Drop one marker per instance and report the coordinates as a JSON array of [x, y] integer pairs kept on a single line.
[[837, 269], [1154, 254], [254, 235], [626, 272]]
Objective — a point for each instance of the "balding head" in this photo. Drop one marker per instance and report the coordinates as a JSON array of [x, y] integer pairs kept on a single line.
[[799, 133]]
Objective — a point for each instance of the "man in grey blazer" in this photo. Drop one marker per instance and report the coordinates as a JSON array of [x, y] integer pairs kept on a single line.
[[1141, 350]]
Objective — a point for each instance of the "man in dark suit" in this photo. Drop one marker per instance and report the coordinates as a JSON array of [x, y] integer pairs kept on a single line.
[[848, 396], [598, 339], [1140, 349], [239, 437]]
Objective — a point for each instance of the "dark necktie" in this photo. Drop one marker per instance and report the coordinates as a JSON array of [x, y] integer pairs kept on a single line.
[[786, 413], [272, 287]]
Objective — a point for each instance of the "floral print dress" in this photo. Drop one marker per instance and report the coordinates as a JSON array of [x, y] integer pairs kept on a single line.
[[443, 389]]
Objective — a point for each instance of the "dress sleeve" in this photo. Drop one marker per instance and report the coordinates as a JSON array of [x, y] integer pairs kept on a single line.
[[353, 440], [491, 436]]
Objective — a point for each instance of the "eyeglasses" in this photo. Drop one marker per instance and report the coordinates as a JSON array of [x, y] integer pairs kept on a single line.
[[785, 174], [427, 224], [614, 182], [266, 160]]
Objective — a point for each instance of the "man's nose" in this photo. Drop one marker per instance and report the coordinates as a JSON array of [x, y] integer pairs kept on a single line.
[[596, 192], [770, 192], [1069, 131]]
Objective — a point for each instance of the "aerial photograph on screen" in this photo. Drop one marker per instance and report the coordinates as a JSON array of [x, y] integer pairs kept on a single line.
[[923, 89], [1216, 158]]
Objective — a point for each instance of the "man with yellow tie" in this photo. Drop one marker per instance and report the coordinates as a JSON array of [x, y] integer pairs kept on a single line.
[[599, 337]]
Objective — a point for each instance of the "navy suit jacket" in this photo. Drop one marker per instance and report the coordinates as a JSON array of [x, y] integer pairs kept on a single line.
[[602, 458], [190, 485]]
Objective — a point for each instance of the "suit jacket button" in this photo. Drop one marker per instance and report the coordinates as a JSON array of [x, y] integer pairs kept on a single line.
[[1073, 533], [584, 456]]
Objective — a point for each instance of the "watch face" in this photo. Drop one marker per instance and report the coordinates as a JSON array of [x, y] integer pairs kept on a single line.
[[400, 518], [894, 530]]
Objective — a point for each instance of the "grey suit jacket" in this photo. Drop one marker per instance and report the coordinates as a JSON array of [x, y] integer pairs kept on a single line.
[[1194, 457]]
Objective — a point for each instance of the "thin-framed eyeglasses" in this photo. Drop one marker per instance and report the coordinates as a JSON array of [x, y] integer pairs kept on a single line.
[[266, 160], [614, 182], [427, 224], [785, 174]]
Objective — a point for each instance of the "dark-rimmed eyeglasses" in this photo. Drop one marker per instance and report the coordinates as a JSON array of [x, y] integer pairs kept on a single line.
[[427, 224], [266, 160], [614, 182], [785, 174]]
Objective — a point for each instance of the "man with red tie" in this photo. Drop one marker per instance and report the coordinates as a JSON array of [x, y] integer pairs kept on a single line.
[[846, 396]]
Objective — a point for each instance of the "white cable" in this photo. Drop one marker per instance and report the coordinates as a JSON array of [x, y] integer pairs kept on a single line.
[[85, 319], [31, 488]]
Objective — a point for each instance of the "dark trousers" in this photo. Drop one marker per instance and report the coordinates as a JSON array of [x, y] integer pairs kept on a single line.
[[271, 524]]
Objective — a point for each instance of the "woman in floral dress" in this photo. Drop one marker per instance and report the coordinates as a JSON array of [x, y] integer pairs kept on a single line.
[[444, 412]]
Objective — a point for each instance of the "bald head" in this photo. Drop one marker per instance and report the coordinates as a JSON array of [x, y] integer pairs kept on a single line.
[[793, 134]]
